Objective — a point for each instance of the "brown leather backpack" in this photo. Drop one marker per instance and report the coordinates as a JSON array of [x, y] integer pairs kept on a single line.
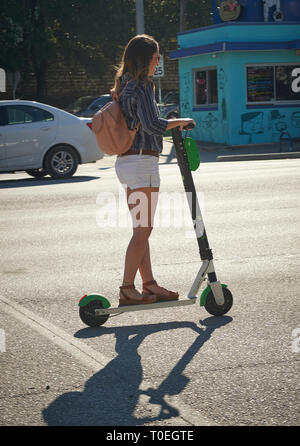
[[111, 130]]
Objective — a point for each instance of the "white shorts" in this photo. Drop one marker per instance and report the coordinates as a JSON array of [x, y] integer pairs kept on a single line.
[[135, 171]]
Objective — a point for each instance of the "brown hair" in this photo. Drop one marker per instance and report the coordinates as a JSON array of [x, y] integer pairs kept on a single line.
[[136, 59]]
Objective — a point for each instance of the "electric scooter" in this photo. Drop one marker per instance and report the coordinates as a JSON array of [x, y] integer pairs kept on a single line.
[[95, 309]]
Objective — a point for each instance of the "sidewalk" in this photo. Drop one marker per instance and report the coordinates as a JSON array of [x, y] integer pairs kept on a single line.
[[212, 152]]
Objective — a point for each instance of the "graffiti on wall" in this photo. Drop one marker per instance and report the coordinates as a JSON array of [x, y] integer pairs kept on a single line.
[[252, 123], [187, 88], [214, 125], [224, 112], [277, 123], [295, 120], [209, 124]]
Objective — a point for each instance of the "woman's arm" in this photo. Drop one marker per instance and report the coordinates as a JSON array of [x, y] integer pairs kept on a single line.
[[148, 113], [179, 122]]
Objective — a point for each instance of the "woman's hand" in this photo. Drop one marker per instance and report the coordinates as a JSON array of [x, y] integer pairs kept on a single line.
[[184, 122]]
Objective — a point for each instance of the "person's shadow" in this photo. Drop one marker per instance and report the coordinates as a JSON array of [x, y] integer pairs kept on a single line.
[[110, 396]]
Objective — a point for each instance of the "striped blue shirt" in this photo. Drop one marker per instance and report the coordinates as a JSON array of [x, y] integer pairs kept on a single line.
[[139, 105]]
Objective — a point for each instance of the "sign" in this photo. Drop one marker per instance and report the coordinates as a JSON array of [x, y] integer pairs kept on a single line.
[[229, 10], [296, 82], [159, 70], [260, 84], [2, 81], [268, 5]]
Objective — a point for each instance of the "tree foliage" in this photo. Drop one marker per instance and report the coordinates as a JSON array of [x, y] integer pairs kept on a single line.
[[34, 32]]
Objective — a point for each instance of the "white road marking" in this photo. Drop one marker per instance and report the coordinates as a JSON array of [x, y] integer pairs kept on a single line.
[[89, 357]]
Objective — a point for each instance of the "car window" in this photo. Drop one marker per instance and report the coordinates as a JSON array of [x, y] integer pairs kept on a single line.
[[80, 104], [23, 114], [102, 101]]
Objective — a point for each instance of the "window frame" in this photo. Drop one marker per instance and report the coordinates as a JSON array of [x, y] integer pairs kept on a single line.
[[211, 105], [274, 101]]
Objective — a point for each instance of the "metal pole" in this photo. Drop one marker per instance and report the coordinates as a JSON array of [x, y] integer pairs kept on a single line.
[[139, 16], [159, 91], [182, 16]]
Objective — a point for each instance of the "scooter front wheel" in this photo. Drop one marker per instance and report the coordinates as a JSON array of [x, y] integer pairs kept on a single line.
[[88, 316], [218, 310]]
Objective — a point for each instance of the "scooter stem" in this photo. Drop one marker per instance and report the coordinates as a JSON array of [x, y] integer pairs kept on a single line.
[[188, 183]]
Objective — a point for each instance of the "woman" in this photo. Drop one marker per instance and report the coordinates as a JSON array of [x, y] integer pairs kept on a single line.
[[137, 169]]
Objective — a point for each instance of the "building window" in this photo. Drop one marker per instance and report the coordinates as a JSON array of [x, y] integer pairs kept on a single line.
[[271, 83], [206, 87]]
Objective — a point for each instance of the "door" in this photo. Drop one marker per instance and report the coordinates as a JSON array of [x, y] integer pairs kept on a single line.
[[29, 131]]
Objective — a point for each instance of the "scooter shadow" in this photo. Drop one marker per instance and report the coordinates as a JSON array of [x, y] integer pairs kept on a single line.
[[111, 396]]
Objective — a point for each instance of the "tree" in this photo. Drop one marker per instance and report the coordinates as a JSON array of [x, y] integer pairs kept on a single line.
[[34, 32]]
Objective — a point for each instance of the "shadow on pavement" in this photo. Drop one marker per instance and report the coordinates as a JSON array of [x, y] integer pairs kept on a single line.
[[111, 396], [30, 182]]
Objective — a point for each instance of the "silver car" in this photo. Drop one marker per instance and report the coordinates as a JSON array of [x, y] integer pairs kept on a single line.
[[43, 140]]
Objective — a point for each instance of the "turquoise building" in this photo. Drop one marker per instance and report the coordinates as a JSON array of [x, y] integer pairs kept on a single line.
[[240, 77]]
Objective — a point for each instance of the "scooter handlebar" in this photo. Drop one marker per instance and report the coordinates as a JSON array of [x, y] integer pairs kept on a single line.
[[189, 126]]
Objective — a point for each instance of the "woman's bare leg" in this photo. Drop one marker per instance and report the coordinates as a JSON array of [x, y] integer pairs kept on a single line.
[[135, 254], [145, 267], [142, 204]]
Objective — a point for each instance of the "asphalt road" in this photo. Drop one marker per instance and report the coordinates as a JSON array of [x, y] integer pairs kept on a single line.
[[170, 367]]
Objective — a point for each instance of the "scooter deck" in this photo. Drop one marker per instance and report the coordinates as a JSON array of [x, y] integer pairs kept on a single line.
[[140, 307]]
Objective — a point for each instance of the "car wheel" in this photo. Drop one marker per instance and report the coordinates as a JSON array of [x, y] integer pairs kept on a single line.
[[37, 173], [61, 162]]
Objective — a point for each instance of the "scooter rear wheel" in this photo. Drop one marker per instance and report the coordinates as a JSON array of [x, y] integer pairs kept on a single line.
[[218, 310], [88, 316]]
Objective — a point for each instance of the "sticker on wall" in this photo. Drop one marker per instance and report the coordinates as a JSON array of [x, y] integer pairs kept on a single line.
[[252, 123], [229, 9]]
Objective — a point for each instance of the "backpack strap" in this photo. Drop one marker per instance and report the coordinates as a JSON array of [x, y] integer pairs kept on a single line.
[[118, 98]]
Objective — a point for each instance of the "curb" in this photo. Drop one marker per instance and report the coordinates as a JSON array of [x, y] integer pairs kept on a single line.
[[259, 156]]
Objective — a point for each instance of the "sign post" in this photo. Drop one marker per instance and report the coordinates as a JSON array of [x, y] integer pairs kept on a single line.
[[14, 78], [2, 81], [158, 74]]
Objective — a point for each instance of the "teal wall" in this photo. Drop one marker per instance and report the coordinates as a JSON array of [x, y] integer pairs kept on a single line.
[[233, 123]]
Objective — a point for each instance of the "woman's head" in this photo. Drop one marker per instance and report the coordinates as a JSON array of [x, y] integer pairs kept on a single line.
[[140, 57]]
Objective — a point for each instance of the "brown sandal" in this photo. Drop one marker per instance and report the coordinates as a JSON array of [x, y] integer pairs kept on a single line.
[[159, 297], [127, 300]]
